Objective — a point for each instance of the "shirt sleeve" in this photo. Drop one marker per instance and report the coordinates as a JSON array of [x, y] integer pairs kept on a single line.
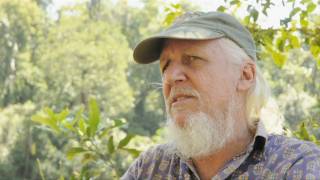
[[133, 171], [138, 169], [307, 167]]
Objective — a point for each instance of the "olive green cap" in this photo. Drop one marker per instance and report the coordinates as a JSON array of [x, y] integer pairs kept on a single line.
[[196, 26]]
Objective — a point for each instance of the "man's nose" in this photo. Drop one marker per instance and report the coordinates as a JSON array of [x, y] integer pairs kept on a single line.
[[174, 74]]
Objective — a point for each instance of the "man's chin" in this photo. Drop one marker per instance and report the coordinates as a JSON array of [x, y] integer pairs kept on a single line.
[[180, 122], [181, 118], [196, 135]]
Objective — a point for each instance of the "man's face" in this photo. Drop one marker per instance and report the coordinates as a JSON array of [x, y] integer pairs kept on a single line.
[[197, 77]]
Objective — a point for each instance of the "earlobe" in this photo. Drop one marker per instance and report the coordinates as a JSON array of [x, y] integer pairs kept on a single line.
[[247, 76]]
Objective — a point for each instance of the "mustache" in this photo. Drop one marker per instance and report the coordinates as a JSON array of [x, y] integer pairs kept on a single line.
[[178, 91]]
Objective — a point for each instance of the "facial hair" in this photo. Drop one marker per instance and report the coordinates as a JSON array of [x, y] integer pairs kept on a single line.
[[202, 134]]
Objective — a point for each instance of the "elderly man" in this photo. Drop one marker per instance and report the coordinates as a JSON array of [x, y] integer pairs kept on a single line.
[[214, 92]]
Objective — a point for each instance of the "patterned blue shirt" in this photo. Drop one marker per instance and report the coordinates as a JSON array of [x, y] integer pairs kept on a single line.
[[268, 157]]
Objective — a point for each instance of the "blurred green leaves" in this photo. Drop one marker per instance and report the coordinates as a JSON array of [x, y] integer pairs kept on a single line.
[[309, 135], [72, 152], [172, 12], [49, 118], [93, 138], [86, 52], [94, 117]]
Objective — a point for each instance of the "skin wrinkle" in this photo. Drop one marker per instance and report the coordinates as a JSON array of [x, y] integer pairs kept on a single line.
[[220, 48], [207, 99], [216, 51], [204, 127]]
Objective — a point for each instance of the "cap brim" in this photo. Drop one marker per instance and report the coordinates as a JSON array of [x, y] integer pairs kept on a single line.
[[149, 50]]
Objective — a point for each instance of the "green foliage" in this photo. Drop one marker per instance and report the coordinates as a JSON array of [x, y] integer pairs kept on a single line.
[[94, 117], [309, 135], [20, 29], [172, 12], [11, 120], [86, 51], [85, 57], [40, 170], [91, 138]]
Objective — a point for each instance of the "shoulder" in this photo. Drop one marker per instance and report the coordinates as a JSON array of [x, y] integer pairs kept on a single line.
[[144, 165], [291, 146], [156, 153], [296, 158]]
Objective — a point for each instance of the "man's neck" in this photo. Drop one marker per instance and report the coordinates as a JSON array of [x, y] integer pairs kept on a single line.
[[209, 166]]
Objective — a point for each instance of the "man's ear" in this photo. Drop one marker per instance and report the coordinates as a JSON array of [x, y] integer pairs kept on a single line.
[[247, 76]]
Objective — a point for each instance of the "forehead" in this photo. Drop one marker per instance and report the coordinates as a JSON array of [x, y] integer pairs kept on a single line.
[[181, 45]]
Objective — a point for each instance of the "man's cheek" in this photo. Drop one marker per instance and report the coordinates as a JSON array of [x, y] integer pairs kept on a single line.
[[166, 91]]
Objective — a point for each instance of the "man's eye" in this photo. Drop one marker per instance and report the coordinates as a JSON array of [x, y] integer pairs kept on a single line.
[[165, 66], [189, 59], [193, 58]]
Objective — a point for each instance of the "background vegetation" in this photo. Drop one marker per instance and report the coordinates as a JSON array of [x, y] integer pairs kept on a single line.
[[73, 105]]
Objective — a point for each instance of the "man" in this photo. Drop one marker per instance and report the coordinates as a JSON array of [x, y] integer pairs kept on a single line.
[[214, 93]]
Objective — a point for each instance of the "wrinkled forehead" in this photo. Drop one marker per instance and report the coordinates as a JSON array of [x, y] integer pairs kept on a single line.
[[183, 45]]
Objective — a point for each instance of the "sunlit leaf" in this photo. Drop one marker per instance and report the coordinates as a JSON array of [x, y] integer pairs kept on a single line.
[[315, 50], [62, 115], [169, 19], [72, 152], [94, 116], [40, 118], [88, 132], [111, 145], [234, 2], [177, 6], [125, 140], [173, 12], [303, 22], [279, 58], [305, 1], [69, 126], [221, 9], [117, 123], [87, 157], [134, 152], [51, 114], [303, 132], [61, 177], [280, 44], [79, 114], [45, 120], [82, 126], [246, 20], [294, 11], [311, 7], [294, 41], [313, 138]]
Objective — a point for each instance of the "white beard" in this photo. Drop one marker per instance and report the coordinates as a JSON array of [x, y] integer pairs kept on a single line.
[[201, 134]]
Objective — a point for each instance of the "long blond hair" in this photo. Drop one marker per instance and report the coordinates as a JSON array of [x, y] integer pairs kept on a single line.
[[259, 104]]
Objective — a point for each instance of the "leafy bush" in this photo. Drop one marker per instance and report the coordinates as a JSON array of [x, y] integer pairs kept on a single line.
[[95, 144]]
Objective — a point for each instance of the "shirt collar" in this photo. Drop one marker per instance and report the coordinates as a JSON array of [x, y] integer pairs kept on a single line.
[[257, 145], [260, 137]]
